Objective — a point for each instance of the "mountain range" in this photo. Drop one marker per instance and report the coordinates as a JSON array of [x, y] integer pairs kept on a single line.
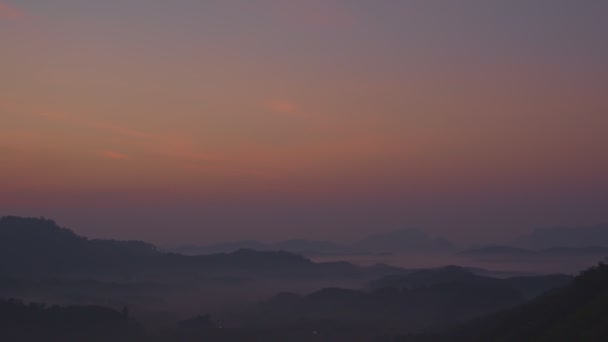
[[398, 241], [39, 259], [413, 301], [573, 237], [32, 246], [515, 252], [576, 312]]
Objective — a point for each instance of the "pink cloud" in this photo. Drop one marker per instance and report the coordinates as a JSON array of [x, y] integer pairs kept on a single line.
[[118, 129], [175, 145], [10, 13], [282, 107], [114, 155]]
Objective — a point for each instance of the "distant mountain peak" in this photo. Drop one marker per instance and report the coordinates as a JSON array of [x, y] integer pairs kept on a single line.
[[583, 236], [404, 240]]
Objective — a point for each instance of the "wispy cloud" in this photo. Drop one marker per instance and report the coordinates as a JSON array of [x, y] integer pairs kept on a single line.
[[114, 155], [9, 12], [281, 106], [168, 144]]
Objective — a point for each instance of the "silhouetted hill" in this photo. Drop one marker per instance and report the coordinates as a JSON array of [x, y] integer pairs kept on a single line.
[[497, 250], [225, 247], [407, 240], [298, 246], [407, 302], [577, 312], [529, 286], [576, 251], [532, 286], [311, 247], [428, 277], [400, 241], [565, 237], [37, 322], [38, 247], [427, 299], [553, 252]]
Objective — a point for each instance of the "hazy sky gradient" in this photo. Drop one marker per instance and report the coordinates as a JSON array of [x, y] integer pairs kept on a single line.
[[196, 121]]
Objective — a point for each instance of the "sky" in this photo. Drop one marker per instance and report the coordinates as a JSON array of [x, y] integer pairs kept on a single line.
[[200, 121]]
